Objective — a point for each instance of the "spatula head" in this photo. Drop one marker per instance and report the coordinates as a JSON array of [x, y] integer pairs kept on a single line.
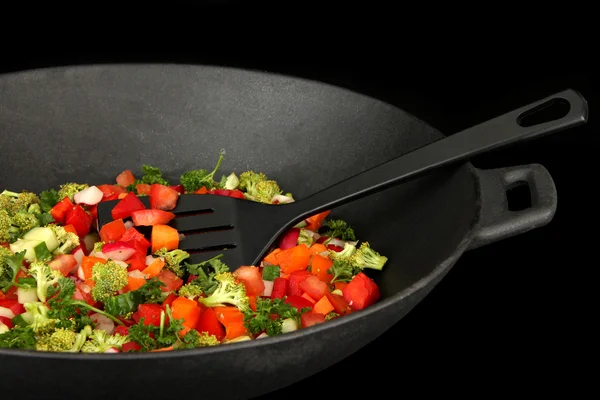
[[239, 229]]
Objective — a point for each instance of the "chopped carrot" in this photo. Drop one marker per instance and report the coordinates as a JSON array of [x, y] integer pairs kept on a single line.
[[284, 275], [202, 190], [134, 283], [271, 258], [112, 231], [122, 195], [319, 267], [323, 306], [88, 262], [233, 321], [340, 285], [154, 269], [307, 297], [142, 188], [70, 228], [317, 248], [252, 300], [293, 259], [314, 222], [125, 178], [164, 236], [170, 348], [188, 310]]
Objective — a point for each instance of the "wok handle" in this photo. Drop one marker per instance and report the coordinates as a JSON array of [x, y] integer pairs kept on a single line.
[[496, 221]]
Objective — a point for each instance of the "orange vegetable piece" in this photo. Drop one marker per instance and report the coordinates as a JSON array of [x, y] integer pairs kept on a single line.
[[154, 269], [87, 263], [202, 190], [164, 236], [70, 228], [134, 283], [143, 188], [317, 248], [319, 267], [293, 259], [323, 306], [271, 257], [112, 231], [314, 222], [170, 348], [188, 310], [252, 300], [307, 297], [125, 178], [233, 321], [122, 195]]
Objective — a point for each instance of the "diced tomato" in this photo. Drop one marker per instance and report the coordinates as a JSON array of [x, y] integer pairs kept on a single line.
[[299, 302], [361, 292], [314, 287], [12, 305], [11, 293], [295, 279], [163, 197], [339, 303], [80, 219], [136, 264], [143, 188], [150, 313], [280, 287], [238, 194], [130, 346], [208, 322], [150, 217], [7, 322], [311, 318], [121, 330], [83, 293], [252, 279], [59, 211], [169, 300], [111, 192], [172, 281], [227, 193], [125, 178], [178, 188], [6, 245], [126, 206], [65, 263], [133, 234], [93, 211], [112, 231], [202, 190], [191, 278]]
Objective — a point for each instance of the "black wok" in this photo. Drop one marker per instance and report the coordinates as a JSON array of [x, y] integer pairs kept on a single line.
[[88, 123]]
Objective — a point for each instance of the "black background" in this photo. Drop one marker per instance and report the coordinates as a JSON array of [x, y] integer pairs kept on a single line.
[[511, 316]]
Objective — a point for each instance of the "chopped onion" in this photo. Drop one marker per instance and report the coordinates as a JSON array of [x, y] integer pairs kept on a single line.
[[262, 335], [3, 328], [324, 253], [85, 287], [336, 242], [136, 273], [80, 273], [281, 199], [98, 254], [181, 236], [268, 288], [354, 243], [78, 256], [104, 323], [121, 263], [112, 350], [289, 325], [89, 196], [150, 259], [7, 313]]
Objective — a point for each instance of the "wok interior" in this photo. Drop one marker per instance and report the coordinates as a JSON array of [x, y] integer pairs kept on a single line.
[[90, 123]]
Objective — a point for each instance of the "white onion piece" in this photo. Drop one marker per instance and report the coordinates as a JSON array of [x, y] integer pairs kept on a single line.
[[336, 242], [98, 254], [324, 253], [289, 325], [353, 243], [3, 328], [90, 196], [7, 313], [112, 350], [80, 273], [262, 335], [181, 236], [281, 199], [104, 323], [268, 288], [121, 263], [136, 273], [149, 259], [85, 288], [129, 224], [78, 256]]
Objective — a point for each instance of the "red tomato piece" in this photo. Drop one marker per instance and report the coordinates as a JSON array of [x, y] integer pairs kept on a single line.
[[238, 194], [280, 287], [163, 197], [112, 231], [130, 346], [133, 234], [339, 303], [178, 188], [83, 293], [295, 279], [59, 211], [314, 287], [125, 178], [136, 264], [252, 278], [171, 281], [150, 217], [310, 319], [361, 292], [169, 300], [121, 330], [299, 302], [150, 313], [126, 206], [80, 219], [65, 263], [12, 305], [208, 322]]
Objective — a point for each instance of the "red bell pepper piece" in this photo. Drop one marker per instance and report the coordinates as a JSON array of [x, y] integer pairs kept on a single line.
[[312, 318], [60, 209], [172, 282], [136, 264], [126, 206], [132, 234], [252, 279], [111, 192], [130, 346], [12, 305], [339, 303], [299, 302], [150, 313], [295, 279], [314, 287], [208, 322], [80, 219], [169, 300], [112, 231], [178, 188], [361, 292], [150, 217], [280, 287]]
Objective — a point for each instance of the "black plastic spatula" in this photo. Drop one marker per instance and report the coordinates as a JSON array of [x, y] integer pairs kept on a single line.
[[243, 230]]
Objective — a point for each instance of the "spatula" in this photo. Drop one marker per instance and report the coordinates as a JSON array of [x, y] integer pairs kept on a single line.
[[244, 230]]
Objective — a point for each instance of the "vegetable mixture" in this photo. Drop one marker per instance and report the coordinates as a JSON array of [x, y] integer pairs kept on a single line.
[[67, 287]]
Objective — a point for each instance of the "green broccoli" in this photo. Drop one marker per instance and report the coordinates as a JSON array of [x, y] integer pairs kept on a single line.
[[69, 190], [197, 178], [108, 278], [10, 264], [100, 341], [173, 259], [14, 202], [345, 254], [344, 268], [67, 240], [25, 221], [190, 290], [366, 257], [206, 272], [306, 237], [44, 277], [194, 339], [264, 191], [98, 247], [63, 340], [339, 229], [41, 322], [8, 231], [228, 291], [249, 179]]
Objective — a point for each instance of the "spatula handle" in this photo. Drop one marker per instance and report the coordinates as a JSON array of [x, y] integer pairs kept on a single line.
[[499, 132]]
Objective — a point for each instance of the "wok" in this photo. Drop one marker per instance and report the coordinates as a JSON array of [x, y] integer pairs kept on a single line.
[[87, 123]]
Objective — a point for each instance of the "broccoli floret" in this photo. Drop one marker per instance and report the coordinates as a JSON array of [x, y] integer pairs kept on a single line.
[[10, 264], [25, 221], [190, 290], [108, 278], [67, 240], [69, 190], [344, 267], [366, 257], [249, 179], [339, 229], [63, 340], [44, 278], [345, 255], [331, 315], [98, 247], [228, 291], [195, 179], [306, 237], [173, 259], [14, 202], [264, 191], [194, 339], [5, 270], [41, 324], [100, 341], [8, 232], [230, 182]]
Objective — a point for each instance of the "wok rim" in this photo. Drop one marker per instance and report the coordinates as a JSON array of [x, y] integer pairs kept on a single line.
[[417, 286]]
